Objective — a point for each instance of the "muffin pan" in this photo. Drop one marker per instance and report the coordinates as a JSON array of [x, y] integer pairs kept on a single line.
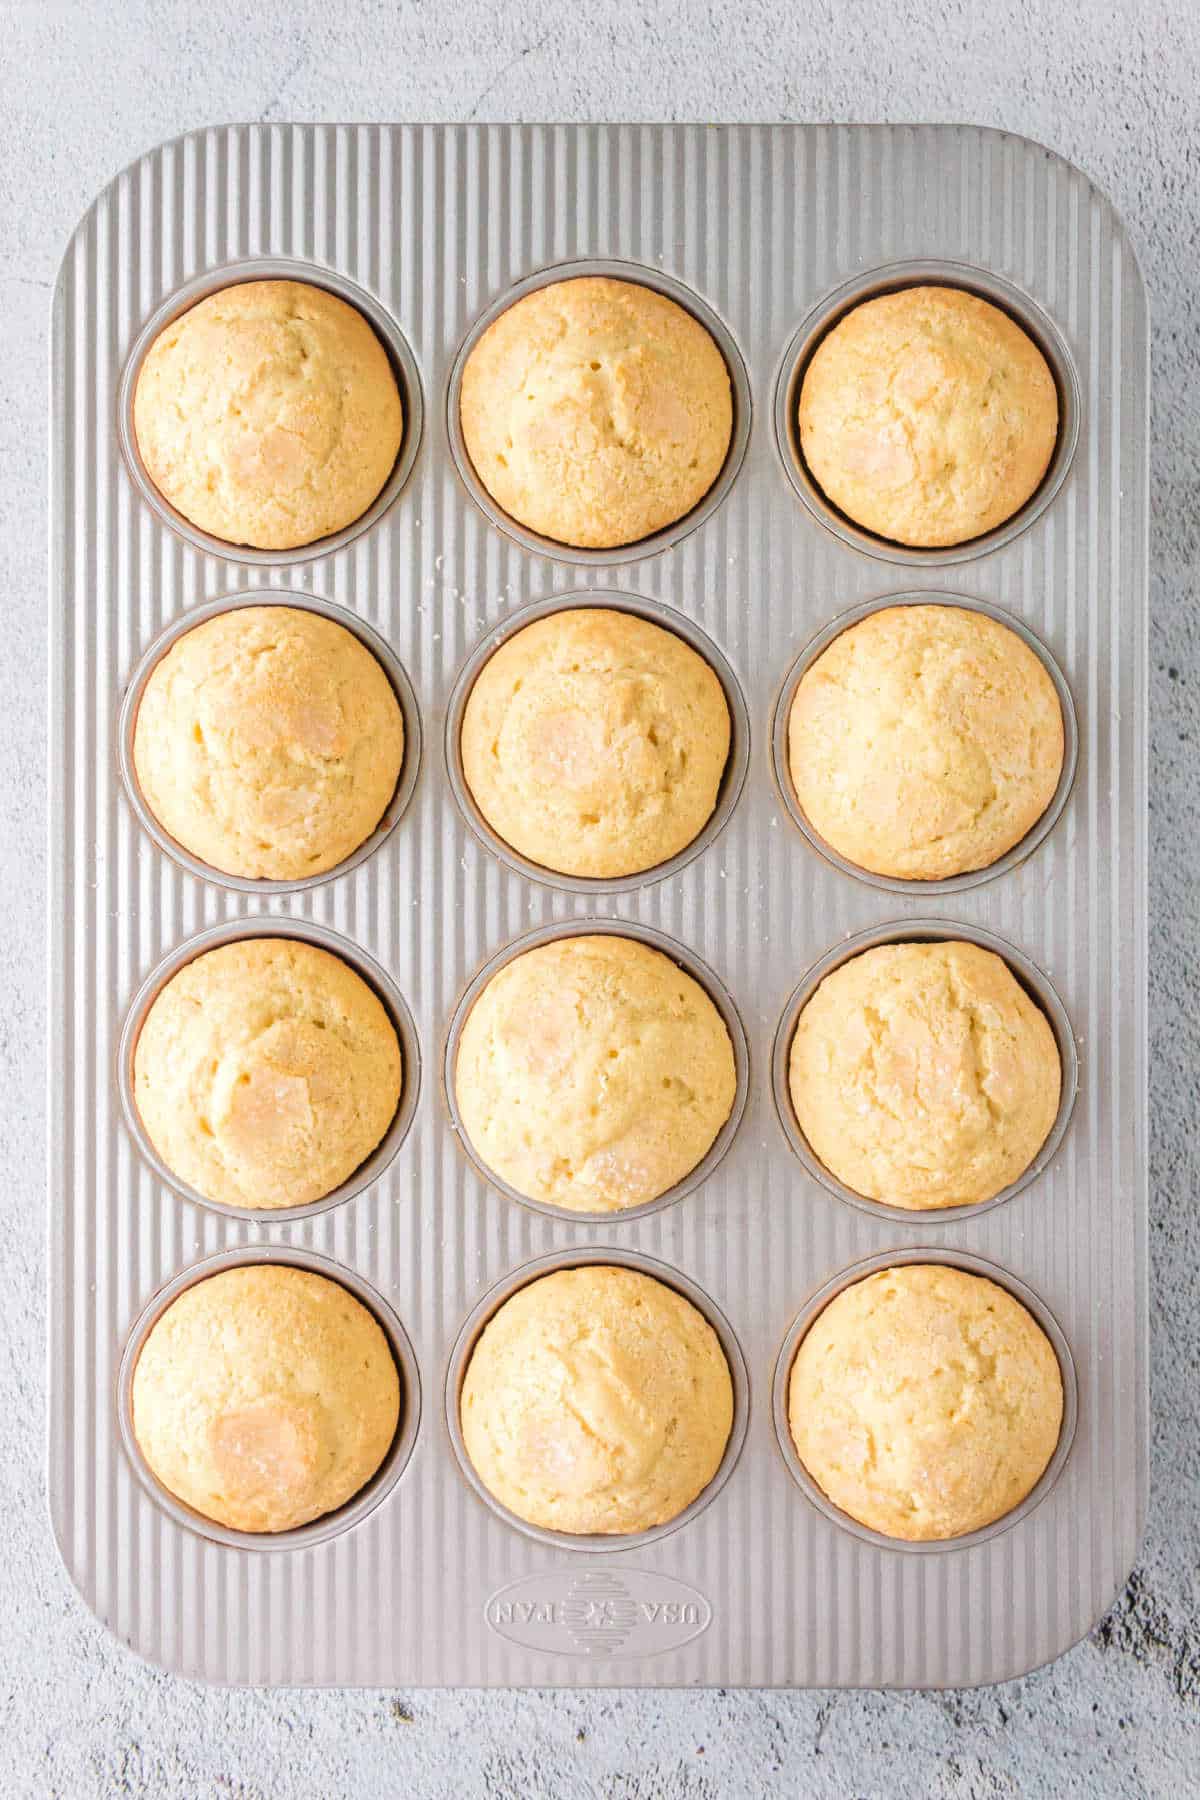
[[766, 234]]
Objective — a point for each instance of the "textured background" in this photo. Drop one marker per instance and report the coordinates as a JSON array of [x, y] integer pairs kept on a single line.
[[88, 86]]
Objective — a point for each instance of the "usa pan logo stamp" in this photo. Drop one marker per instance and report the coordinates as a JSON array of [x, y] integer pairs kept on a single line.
[[622, 1612]]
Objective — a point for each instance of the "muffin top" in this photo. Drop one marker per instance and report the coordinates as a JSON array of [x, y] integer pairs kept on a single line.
[[268, 414], [925, 1402], [596, 412], [266, 1072], [597, 1400], [268, 742], [925, 741], [923, 1075], [265, 1396], [594, 742], [593, 1073], [928, 416]]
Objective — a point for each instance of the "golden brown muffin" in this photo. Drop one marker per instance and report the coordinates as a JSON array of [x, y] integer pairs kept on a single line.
[[923, 1075], [925, 1402], [268, 414], [597, 1400], [925, 741], [596, 412], [593, 1073], [265, 1397], [268, 742], [928, 416], [594, 742], [266, 1072]]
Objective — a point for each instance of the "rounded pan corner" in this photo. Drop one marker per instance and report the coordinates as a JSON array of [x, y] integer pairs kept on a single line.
[[998, 134], [87, 1598], [175, 141], [1018, 1670], [159, 1663], [58, 1535]]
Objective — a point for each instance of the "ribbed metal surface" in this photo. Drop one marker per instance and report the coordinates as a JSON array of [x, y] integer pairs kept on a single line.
[[761, 222]]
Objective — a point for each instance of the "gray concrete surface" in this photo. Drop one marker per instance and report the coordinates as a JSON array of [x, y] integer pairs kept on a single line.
[[85, 87]]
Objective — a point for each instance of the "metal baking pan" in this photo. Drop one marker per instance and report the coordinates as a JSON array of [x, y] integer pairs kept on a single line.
[[767, 233]]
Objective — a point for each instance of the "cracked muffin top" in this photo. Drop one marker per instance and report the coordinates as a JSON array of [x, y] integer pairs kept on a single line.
[[925, 741], [925, 1402], [593, 1073], [265, 1397], [268, 742], [266, 1072], [596, 412], [597, 1400], [928, 416], [268, 414], [594, 742], [923, 1075]]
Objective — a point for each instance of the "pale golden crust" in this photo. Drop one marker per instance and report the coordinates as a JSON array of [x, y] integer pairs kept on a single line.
[[925, 1402], [268, 414], [594, 742], [923, 1075], [928, 416], [597, 1400], [593, 1073], [266, 1072], [596, 412], [265, 1397], [268, 742], [925, 741]]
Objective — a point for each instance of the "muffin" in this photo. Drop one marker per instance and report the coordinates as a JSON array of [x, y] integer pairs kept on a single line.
[[593, 1073], [596, 412], [594, 742], [925, 741], [268, 414], [265, 1397], [596, 1400], [268, 742], [266, 1071], [925, 1402], [924, 1076], [928, 416]]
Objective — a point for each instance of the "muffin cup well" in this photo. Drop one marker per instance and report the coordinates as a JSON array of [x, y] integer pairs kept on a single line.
[[399, 355], [972, 1265], [306, 931], [368, 1497], [692, 965], [592, 1254], [890, 279], [927, 931], [739, 382], [951, 884], [654, 613], [371, 641]]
